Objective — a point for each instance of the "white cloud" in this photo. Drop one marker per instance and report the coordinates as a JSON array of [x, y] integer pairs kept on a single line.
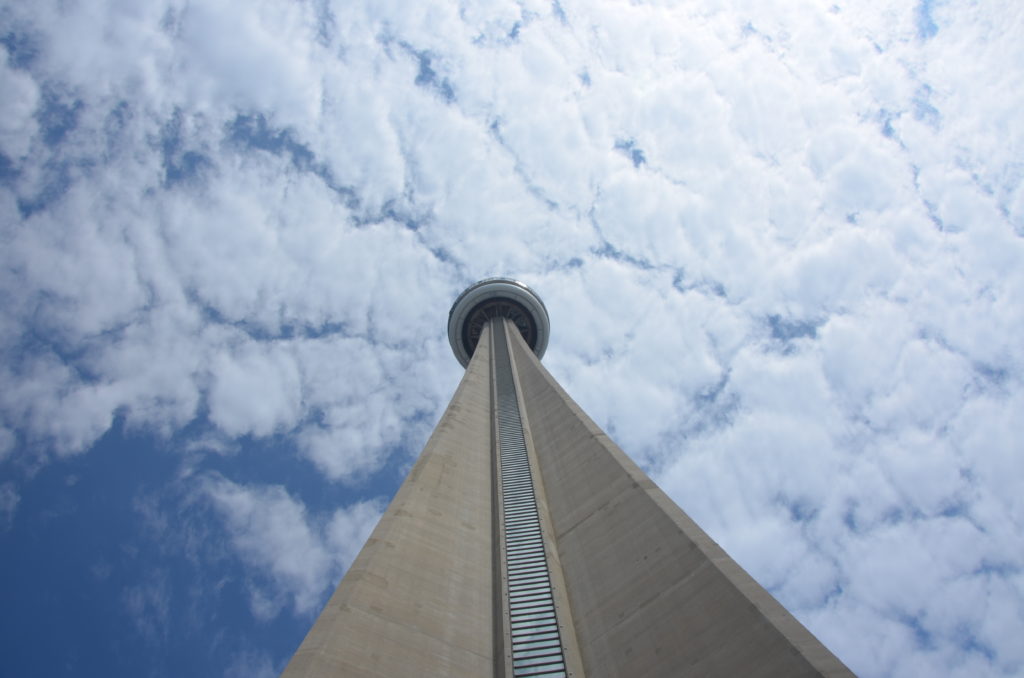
[[255, 390], [7, 442], [9, 498], [149, 606], [21, 97], [297, 553]]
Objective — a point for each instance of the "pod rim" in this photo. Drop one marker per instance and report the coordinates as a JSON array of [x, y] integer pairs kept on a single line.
[[485, 292]]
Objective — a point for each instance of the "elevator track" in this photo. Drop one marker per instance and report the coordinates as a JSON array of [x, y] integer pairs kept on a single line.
[[535, 639]]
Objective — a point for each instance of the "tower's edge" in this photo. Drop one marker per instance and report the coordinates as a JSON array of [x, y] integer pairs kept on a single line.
[[418, 600]]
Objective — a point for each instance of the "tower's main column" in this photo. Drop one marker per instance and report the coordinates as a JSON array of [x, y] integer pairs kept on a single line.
[[525, 543]]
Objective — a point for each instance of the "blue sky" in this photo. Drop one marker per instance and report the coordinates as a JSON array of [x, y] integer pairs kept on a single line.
[[782, 244]]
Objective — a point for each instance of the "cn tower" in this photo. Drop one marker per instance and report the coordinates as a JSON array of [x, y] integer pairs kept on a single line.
[[524, 542]]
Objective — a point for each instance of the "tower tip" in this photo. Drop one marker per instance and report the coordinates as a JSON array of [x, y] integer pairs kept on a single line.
[[491, 298]]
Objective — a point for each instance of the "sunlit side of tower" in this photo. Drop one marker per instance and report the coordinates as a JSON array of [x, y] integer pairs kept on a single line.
[[524, 542]]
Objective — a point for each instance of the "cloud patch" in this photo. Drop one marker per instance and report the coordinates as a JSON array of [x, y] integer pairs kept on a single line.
[[295, 555]]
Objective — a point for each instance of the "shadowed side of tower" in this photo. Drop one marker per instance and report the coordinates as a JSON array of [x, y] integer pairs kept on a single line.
[[418, 599]]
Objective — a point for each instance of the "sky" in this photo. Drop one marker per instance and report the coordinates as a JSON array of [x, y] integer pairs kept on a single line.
[[781, 243]]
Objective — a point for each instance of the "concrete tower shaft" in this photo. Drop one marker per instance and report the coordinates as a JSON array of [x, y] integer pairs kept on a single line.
[[524, 542]]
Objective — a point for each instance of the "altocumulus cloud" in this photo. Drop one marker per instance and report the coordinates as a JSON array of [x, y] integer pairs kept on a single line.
[[781, 244]]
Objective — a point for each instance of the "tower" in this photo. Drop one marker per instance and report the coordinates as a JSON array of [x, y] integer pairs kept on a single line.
[[524, 542]]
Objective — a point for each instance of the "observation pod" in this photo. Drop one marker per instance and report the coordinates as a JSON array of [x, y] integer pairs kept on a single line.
[[496, 298]]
